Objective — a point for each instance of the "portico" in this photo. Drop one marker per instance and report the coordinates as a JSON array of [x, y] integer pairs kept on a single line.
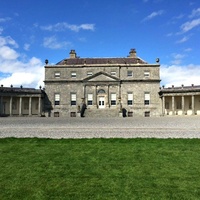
[[180, 100], [20, 101]]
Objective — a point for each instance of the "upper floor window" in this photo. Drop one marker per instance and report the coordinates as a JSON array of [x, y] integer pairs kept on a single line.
[[57, 99], [129, 73], [90, 99], [130, 99], [89, 73], [113, 99], [146, 74], [73, 74], [57, 75], [113, 73], [73, 99], [146, 98]]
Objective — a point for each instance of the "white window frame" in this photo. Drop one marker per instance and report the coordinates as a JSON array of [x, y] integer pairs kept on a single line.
[[57, 99], [57, 74], [89, 99], [130, 99], [147, 98], [73, 99], [73, 74], [113, 98], [146, 74]]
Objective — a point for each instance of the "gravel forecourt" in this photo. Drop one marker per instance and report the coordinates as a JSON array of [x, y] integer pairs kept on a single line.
[[129, 127]]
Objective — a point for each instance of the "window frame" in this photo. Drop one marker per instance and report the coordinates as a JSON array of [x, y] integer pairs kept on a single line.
[[129, 73], [73, 99], [56, 74], [113, 99], [73, 74], [147, 98], [130, 100], [90, 99], [57, 99]]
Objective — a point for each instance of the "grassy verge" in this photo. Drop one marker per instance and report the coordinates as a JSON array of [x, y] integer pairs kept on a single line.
[[99, 169]]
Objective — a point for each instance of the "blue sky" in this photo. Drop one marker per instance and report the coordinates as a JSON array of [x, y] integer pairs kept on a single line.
[[32, 31]]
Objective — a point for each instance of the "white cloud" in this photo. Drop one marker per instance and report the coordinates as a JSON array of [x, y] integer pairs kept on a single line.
[[1, 30], [153, 15], [13, 70], [184, 39], [53, 43], [195, 13], [177, 58], [177, 75], [63, 26], [5, 19], [26, 47], [190, 25]]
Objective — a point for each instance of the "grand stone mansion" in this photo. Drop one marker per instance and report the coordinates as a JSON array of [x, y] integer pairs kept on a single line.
[[109, 87]]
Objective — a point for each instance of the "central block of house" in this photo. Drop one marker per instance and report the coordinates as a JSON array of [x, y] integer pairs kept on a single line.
[[110, 87]]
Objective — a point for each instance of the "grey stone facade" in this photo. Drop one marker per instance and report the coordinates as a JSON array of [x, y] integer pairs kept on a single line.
[[108, 86]]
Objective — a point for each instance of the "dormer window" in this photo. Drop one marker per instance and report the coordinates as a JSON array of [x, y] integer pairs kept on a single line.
[[146, 74]]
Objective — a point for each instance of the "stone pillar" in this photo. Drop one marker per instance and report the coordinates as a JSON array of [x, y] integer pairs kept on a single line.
[[1, 105], [39, 106], [183, 105], [10, 110], [20, 106], [11, 101], [108, 98], [173, 113], [96, 96], [30, 106], [163, 105], [193, 111]]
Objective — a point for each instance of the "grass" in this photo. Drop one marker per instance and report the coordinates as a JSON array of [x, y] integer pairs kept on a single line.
[[99, 169]]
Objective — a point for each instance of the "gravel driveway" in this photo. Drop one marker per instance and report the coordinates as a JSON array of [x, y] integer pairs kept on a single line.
[[132, 127]]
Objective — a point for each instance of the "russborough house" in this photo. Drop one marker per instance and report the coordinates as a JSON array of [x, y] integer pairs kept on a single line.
[[107, 87]]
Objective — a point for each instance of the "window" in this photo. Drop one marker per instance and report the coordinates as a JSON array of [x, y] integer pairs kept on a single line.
[[146, 74], [73, 99], [89, 73], [57, 75], [113, 73], [57, 99], [113, 99], [90, 99], [147, 114], [146, 98], [56, 114], [73, 74], [129, 73], [130, 99], [179, 105]]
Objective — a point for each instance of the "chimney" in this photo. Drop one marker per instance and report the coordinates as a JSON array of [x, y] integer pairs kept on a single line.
[[72, 54], [132, 53]]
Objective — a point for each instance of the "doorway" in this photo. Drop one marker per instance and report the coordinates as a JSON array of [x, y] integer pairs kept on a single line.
[[101, 102]]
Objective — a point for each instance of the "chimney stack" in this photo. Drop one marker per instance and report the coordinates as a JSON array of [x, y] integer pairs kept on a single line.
[[132, 53], [72, 54]]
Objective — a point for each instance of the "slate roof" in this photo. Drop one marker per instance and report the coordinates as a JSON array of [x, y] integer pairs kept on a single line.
[[91, 61], [192, 88], [20, 90]]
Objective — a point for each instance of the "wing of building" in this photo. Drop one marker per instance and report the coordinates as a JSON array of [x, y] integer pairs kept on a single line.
[[107, 87]]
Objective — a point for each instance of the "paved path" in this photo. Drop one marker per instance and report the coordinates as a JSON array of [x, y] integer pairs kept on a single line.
[[136, 127]]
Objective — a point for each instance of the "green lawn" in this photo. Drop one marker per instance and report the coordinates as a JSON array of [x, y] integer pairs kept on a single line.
[[99, 169]]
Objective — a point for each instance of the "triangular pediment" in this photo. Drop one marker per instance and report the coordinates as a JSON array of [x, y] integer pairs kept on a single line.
[[101, 77]]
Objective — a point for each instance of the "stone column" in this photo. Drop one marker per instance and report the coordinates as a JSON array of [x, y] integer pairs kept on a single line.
[[94, 96], [20, 106], [193, 112], [39, 106], [163, 105], [30, 106], [1, 105], [173, 113], [108, 98], [11, 101], [183, 105]]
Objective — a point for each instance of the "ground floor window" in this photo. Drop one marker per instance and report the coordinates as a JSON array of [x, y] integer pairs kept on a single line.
[[113, 99], [56, 114], [90, 99], [73, 114], [57, 99], [130, 99], [73, 99], [146, 98]]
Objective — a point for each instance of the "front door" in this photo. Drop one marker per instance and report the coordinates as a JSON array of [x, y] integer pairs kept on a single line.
[[101, 102]]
